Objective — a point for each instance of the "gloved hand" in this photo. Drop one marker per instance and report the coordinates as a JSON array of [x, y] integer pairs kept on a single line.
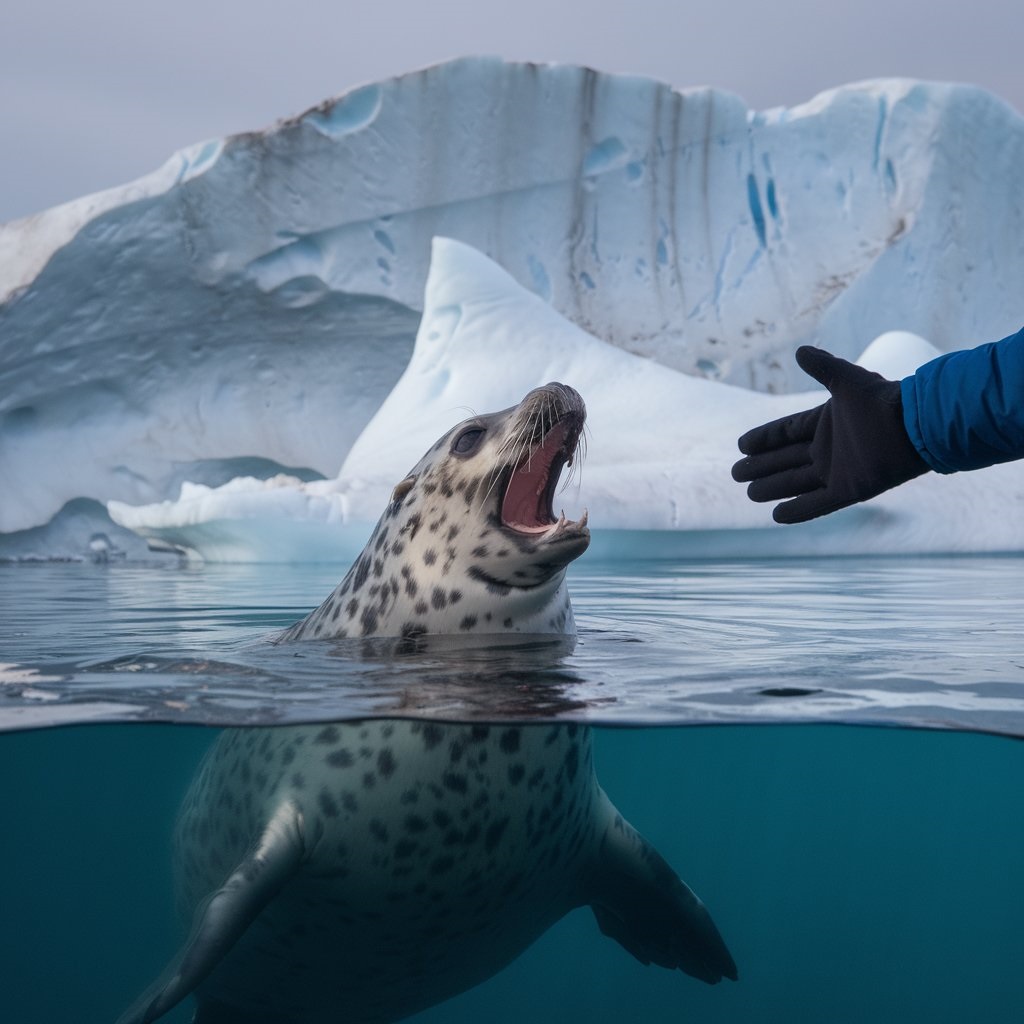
[[848, 450]]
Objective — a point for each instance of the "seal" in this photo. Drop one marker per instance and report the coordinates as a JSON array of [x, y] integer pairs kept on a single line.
[[365, 870]]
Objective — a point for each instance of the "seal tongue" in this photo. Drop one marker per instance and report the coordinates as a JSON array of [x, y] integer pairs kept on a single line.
[[527, 503]]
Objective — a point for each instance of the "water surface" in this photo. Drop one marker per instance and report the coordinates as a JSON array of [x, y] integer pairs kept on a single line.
[[857, 873], [932, 642]]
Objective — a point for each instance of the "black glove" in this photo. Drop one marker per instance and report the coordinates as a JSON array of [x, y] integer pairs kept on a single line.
[[848, 450]]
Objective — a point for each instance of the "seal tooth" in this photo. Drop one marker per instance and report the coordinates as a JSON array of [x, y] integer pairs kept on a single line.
[[583, 519]]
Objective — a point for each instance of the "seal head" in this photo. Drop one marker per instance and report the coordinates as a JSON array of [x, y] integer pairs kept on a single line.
[[470, 541]]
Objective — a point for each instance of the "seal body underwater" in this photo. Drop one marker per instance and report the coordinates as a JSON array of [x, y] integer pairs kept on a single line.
[[362, 871]]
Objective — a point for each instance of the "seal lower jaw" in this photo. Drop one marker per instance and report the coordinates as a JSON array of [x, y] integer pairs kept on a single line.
[[568, 537]]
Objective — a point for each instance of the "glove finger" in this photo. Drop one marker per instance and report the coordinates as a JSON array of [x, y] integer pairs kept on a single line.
[[788, 484], [807, 506], [777, 460], [781, 433]]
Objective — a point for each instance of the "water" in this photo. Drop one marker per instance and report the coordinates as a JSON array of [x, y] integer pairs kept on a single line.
[[857, 873], [928, 642]]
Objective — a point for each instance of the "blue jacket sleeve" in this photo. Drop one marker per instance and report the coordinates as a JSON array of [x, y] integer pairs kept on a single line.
[[965, 410]]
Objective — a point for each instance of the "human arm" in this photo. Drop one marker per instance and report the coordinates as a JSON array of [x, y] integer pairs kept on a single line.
[[965, 410]]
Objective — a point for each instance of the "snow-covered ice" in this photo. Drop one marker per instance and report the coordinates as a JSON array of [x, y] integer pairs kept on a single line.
[[243, 313]]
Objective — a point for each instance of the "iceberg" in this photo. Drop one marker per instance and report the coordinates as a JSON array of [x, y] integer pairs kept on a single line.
[[660, 444], [242, 315]]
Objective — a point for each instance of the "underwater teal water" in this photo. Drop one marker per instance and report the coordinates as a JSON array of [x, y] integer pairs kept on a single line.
[[858, 873]]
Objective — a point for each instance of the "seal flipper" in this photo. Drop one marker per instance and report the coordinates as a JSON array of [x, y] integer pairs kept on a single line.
[[640, 902], [222, 918]]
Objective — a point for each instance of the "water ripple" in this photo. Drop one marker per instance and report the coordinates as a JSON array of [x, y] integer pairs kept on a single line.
[[933, 643]]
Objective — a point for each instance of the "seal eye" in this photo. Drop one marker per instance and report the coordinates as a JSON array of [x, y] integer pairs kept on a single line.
[[468, 441]]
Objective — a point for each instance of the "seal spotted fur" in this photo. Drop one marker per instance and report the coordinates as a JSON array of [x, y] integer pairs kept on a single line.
[[361, 871]]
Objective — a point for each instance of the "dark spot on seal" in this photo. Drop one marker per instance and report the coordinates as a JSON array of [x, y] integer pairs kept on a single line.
[[468, 622], [496, 587], [438, 598], [328, 734], [369, 620], [412, 525], [328, 805], [482, 551], [455, 781], [415, 824], [340, 758], [362, 571], [378, 830], [429, 556], [516, 773], [509, 741], [572, 761], [386, 763], [432, 735]]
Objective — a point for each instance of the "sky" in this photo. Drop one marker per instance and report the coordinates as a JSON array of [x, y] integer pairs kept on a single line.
[[95, 94]]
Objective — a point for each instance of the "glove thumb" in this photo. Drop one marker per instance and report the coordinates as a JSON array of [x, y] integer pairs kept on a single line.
[[819, 364]]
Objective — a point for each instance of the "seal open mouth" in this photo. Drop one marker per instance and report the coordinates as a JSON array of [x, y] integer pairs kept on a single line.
[[528, 503]]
